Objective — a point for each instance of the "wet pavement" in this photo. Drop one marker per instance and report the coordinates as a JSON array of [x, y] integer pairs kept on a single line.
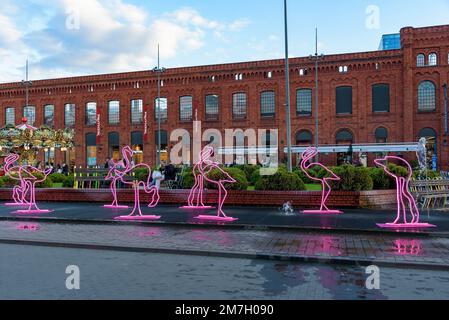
[[423, 251], [28, 272], [352, 219]]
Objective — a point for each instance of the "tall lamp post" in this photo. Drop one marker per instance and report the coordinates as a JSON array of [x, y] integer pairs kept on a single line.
[[316, 58], [446, 129], [27, 84], [287, 93], [158, 71]]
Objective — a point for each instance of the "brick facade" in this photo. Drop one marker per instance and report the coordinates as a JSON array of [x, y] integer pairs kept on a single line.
[[397, 68]]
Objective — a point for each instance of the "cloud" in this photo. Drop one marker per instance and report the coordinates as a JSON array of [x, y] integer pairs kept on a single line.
[[77, 37], [239, 24]]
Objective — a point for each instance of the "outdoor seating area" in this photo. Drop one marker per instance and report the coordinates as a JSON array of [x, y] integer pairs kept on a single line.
[[431, 193]]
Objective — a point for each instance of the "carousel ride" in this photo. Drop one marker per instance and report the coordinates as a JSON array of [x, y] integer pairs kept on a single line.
[[20, 146]]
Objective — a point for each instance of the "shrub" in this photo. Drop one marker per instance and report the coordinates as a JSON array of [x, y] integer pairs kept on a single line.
[[238, 175], [255, 176], [352, 178], [48, 183], [7, 182], [428, 174], [141, 174], [248, 169], [57, 177], [187, 179], [280, 181], [381, 180], [68, 182]]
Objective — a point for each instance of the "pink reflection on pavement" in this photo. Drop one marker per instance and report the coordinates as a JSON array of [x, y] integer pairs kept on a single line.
[[216, 237], [146, 233], [321, 245], [28, 227], [404, 247]]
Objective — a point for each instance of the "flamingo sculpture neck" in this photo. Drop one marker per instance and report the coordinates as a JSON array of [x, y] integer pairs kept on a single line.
[[307, 155]]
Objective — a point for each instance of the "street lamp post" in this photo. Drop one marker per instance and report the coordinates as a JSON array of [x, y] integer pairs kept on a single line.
[[26, 83], [446, 129], [158, 71], [287, 93], [316, 57]]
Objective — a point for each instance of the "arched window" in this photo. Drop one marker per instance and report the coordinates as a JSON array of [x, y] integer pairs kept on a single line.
[[49, 115], [164, 144], [212, 107], [114, 145], [381, 97], [91, 113], [344, 100], [10, 116], [161, 109], [268, 104], [420, 60], [114, 112], [239, 105], [91, 149], [433, 59], [137, 146], [344, 137], [426, 96], [304, 102], [304, 137], [381, 135], [185, 108]]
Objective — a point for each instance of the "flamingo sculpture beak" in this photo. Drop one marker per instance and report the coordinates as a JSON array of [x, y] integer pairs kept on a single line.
[[381, 162]]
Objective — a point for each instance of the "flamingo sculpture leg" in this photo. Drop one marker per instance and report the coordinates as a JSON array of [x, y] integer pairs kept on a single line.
[[327, 189], [114, 175], [196, 196], [402, 191], [136, 214], [207, 165]]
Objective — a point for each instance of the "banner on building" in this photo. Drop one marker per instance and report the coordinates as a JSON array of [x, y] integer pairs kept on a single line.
[[145, 123], [98, 125]]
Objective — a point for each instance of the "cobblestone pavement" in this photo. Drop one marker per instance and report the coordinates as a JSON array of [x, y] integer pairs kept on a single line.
[[430, 251], [29, 272]]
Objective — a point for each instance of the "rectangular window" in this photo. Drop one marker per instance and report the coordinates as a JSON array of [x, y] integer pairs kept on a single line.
[[381, 97], [344, 100], [162, 106], [268, 104], [10, 116], [114, 112], [49, 115], [185, 108], [91, 113], [304, 102], [239, 105], [69, 115], [30, 114], [212, 107], [136, 111]]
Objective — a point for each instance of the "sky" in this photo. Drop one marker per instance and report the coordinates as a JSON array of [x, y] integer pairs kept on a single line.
[[82, 37]]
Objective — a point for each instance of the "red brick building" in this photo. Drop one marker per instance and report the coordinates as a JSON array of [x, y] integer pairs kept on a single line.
[[386, 95]]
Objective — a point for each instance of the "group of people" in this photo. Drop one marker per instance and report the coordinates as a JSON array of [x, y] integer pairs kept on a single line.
[[59, 168], [165, 172]]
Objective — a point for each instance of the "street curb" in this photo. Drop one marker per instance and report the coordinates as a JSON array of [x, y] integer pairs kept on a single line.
[[228, 226], [234, 254]]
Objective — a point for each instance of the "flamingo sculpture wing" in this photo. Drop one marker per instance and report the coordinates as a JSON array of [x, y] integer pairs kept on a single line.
[[136, 213], [206, 166], [307, 155], [30, 175], [403, 195], [18, 192]]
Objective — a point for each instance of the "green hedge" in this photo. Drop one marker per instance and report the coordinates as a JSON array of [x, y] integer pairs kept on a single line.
[[236, 173], [352, 178], [281, 180]]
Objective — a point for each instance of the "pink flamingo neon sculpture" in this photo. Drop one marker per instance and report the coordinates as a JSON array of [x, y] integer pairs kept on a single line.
[[28, 181], [306, 157], [136, 214], [204, 169], [402, 191], [196, 195], [114, 175], [18, 192]]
